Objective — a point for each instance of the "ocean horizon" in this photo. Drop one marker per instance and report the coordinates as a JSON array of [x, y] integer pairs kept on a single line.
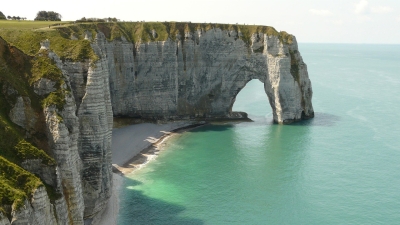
[[340, 167]]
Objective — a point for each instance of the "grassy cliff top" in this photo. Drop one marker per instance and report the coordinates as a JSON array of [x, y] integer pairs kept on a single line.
[[22, 25], [67, 38]]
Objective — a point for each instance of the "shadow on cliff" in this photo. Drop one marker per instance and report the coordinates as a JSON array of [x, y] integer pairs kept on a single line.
[[141, 209]]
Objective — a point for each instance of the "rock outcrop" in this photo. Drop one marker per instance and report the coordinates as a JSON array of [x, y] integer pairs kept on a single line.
[[22, 113], [83, 137], [95, 117], [79, 136], [200, 76], [39, 211]]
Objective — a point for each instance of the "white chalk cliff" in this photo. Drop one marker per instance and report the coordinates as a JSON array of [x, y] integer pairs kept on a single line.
[[200, 76], [195, 76]]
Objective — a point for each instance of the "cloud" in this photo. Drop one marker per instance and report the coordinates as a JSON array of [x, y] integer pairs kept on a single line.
[[361, 7], [321, 12], [398, 19], [381, 9]]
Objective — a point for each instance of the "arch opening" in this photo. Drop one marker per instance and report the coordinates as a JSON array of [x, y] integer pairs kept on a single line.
[[253, 100]]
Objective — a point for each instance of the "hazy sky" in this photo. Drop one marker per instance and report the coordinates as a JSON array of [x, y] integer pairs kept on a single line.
[[331, 21]]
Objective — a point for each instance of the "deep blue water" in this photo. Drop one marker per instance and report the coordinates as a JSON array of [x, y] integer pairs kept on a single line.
[[342, 167]]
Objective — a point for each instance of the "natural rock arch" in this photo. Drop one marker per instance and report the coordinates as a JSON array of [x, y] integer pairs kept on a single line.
[[234, 102], [199, 76]]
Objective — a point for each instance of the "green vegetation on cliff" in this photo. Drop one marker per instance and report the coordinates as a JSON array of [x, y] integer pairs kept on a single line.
[[67, 39], [56, 98], [143, 31], [29, 42], [16, 148], [17, 74], [44, 67], [25, 150], [16, 185]]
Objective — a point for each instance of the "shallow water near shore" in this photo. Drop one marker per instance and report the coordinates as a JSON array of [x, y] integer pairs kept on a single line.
[[342, 167]]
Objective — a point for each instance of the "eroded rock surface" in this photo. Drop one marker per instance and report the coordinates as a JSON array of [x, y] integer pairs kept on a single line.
[[44, 86], [200, 76], [22, 113]]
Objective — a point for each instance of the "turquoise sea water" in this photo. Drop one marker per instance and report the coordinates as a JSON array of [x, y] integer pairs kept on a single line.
[[342, 167]]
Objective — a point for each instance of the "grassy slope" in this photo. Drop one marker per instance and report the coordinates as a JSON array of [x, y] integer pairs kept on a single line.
[[16, 184], [15, 24]]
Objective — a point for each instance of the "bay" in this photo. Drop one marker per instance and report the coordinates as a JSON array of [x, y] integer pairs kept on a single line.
[[342, 167]]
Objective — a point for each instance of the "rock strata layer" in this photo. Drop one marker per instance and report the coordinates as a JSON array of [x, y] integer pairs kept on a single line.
[[200, 76]]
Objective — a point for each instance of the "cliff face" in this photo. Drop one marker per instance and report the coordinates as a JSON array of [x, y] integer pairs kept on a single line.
[[86, 129], [200, 76], [191, 75], [77, 123], [95, 117]]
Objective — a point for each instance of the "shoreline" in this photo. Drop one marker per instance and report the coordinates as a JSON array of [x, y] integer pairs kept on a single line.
[[145, 155], [152, 151]]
